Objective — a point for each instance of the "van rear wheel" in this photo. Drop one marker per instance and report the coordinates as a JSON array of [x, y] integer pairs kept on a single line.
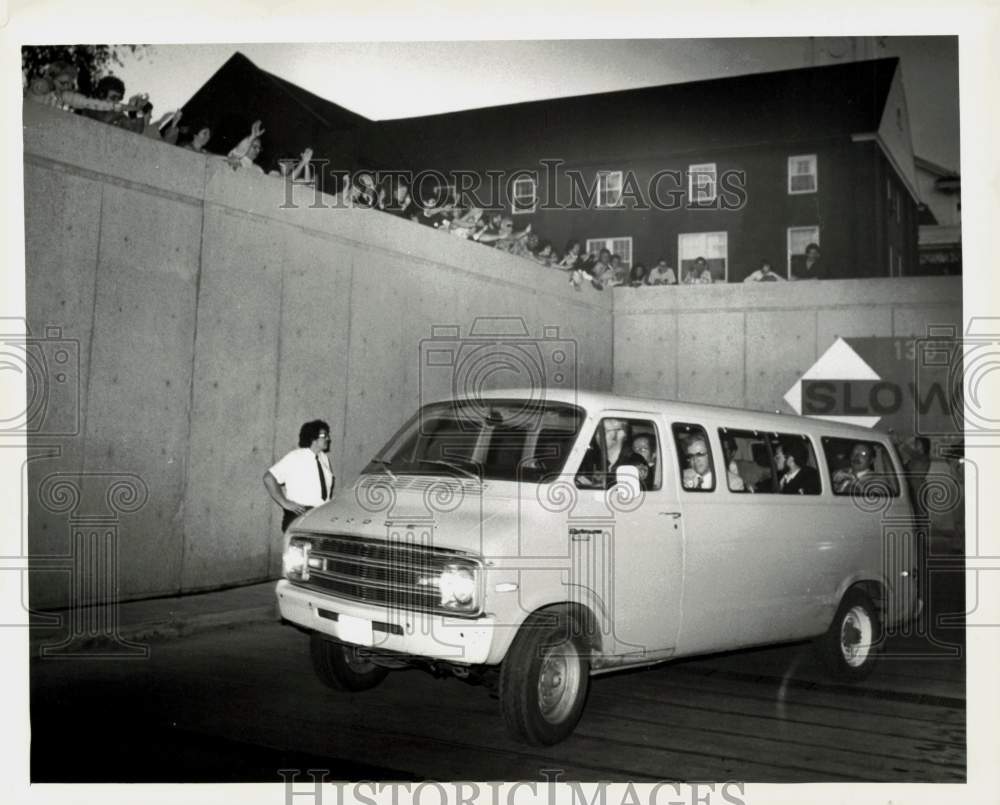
[[342, 666], [849, 650], [544, 680]]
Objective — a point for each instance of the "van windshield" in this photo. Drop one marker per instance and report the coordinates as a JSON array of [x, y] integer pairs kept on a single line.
[[502, 440]]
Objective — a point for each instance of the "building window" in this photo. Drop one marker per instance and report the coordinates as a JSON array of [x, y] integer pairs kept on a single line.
[[802, 174], [798, 238], [713, 246], [898, 204], [525, 198], [892, 260], [609, 188], [620, 246], [702, 183], [899, 265]]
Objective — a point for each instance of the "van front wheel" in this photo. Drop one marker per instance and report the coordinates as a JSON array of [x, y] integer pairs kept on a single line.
[[544, 680], [342, 666], [850, 647]]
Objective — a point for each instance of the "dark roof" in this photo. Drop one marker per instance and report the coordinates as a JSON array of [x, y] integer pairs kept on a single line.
[[789, 105], [786, 106], [240, 92]]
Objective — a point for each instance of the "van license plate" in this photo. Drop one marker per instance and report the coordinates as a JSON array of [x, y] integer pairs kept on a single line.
[[355, 630]]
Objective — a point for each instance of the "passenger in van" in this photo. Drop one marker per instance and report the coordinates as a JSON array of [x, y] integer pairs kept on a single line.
[[733, 477], [645, 447], [861, 474], [799, 478], [699, 474], [780, 465]]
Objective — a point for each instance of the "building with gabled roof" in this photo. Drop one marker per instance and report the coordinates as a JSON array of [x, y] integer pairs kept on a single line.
[[735, 170]]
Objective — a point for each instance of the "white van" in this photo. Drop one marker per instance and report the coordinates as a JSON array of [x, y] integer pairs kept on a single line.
[[528, 543]]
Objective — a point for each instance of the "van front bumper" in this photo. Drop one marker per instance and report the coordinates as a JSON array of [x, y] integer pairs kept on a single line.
[[418, 634]]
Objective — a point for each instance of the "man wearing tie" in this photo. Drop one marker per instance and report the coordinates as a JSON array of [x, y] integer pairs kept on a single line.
[[699, 474], [303, 478]]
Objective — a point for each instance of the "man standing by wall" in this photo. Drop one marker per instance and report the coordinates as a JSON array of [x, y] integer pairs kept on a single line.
[[303, 478]]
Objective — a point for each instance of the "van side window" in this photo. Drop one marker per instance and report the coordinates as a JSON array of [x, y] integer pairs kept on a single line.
[[621, 442], [860, 467], [694, 455]]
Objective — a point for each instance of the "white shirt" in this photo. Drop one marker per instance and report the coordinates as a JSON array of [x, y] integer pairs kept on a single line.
[[297, 472]]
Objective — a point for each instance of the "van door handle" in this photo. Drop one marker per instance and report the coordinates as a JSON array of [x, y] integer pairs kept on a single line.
[[673, 515]]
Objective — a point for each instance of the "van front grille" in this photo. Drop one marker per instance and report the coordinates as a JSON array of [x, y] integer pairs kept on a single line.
[[396, 575]]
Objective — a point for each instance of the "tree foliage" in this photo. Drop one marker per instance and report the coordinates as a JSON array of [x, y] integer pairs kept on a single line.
[[93, 61]]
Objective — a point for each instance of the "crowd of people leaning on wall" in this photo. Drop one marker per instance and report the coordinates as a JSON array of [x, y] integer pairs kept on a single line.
[[56, 86]]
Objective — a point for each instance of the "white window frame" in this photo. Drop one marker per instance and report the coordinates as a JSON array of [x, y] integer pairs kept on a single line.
[[681, 258], [814, 172], [709, 171], [606, 181], [516, 206], [788, 244], [596, 244]]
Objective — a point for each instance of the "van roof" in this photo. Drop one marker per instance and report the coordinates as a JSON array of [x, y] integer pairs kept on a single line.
[[738, 417]]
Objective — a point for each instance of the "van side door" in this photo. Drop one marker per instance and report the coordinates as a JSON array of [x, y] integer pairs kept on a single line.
[[629, 546]]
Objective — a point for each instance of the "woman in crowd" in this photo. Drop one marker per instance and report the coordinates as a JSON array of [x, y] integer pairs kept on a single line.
[[571, 257], [195, 137], [638, 276]]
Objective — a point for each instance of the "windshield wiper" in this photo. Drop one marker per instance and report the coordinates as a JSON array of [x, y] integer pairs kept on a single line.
[[384, 464], [449, 465]]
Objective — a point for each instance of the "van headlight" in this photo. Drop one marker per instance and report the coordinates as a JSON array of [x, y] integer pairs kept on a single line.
[[457, 587], [295, 560]]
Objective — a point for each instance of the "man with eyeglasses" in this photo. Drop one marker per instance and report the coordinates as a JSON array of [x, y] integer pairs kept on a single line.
[[698, 475], [861, 474], [304, 477]]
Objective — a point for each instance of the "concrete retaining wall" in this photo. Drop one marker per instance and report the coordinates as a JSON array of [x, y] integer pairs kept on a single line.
[[746, 345]]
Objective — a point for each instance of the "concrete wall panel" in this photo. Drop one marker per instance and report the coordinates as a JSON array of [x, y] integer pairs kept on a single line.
[[710, 357], [645, 355], [227, 513], [854, 322], [62, 231], [781, 345], [913, 321], [139, 390]]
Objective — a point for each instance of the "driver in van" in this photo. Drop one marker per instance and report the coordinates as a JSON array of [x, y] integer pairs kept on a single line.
[[618, 453], [645, 447]]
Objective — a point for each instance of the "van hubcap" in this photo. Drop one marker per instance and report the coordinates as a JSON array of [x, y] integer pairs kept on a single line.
[[558, 683], [856, 636]]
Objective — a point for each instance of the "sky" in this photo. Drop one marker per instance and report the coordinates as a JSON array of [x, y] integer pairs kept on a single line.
[[382, 80]]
